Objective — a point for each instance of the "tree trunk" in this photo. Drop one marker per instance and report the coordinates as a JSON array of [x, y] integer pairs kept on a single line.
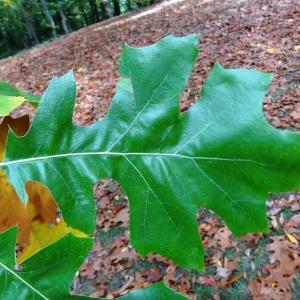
[[117, 9], [94, 10], [63, 17], [49, 17], [29, 26], [106, 10]]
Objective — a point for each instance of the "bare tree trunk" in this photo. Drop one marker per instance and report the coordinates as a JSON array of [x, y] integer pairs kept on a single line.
[[49, 17], [107, 11], [117, 9], [63, 17], [28, 24]]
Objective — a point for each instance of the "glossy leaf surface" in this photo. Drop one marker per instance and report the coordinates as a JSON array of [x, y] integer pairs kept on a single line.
[[220, 154], [49, 273], [46, 275], [153, 292]]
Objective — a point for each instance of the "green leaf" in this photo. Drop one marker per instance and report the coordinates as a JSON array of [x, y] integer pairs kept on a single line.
[[8, 104], [49, 273], [220, 154], [154, 292], [46, 275], [7, 89], [11, 97]]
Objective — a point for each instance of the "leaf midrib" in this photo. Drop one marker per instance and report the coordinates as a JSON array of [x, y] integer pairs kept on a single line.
[[124, 154], [24, 281]]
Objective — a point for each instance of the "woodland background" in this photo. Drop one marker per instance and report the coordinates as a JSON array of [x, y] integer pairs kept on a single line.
[[25, 23]]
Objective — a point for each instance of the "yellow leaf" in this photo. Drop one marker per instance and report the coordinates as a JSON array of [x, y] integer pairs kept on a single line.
[[291, 238], [9, 103], [12, 209], [7, 4], [271, 50], [38, 225], [43, 234]]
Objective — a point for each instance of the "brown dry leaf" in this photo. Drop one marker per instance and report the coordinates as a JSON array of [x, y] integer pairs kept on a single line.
[[124, 254], [251, 238], [284, 252], [294, 221], [12, 209], [271, 50], [208, 281], [88, 271], [285, 258], [19, 126], [170, 275], [38, 225], [152, 274], [223, 237], [46, 228], [277, 284], [296, 114], [232, 279]]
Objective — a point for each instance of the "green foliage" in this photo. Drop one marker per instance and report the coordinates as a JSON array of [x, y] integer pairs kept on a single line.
[[230, 253], [7, 89], [11, 97], [31, 26], [221, 154], [204, 291], [237, 291], [30, 280], [296, 287], [48, 274]]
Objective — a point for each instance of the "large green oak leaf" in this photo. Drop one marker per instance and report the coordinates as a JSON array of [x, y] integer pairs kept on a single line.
[[221, 154], [49, 273]]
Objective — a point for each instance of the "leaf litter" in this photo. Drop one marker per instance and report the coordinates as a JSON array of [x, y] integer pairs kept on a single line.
[[254, 34]]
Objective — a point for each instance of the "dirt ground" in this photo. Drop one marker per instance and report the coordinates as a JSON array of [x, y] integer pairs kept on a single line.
[[262, 34]]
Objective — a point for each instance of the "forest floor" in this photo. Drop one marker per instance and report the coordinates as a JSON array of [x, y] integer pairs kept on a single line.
[[262, 34]]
